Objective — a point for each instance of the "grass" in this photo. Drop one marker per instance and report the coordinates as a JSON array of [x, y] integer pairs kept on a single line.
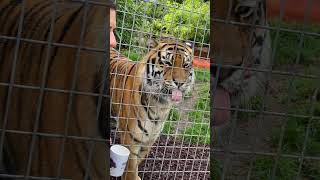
[[263, 167], [296, 128], [174, 116], [199, 130], [215, 169], [255, 103], [301, 91], [131, 55], [288, 44], [300, 103], [202, 75]]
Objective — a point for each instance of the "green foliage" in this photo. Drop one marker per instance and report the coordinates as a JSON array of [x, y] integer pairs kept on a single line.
[[198, 133], [311, 169], [169, 125], [288, 45], [129, 16], [189, 20], [300, 103], [263, 167], [216, 169], [296, 128], [255, 103], [286, 169], [132, 55], [199, 130], [202, 75]]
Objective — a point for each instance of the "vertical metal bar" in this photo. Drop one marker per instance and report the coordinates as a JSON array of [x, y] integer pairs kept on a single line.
[[312, 110], [203, 120], [116, 69], [234, 120], [42, 91], [73, 86], [314, 98], [157, 146], [291, 89], [12, 78], [105, 90], [183, 172], [261, 115]]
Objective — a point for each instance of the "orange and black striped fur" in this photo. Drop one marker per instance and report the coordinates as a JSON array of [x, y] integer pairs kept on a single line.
[[24, 110], [141, 94]]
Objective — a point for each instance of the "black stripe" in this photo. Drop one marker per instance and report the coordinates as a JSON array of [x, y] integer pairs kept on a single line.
[[143, 99], [16, 21], [154, 120], [30, 17], [164, 45], [149, 113], [153, 60], [132, 67], [135, 154], [132, 137], [66, 28], [142, 148], [148, 110], [142, 128], [8, 9], [12, 3], [6, 43]]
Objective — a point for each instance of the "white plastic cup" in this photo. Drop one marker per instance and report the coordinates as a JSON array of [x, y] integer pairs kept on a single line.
[[118, 160]]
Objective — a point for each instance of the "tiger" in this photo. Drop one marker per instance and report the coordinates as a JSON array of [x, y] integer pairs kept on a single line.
[[143, 93], [241, 46], [249, 47], [56, 127]]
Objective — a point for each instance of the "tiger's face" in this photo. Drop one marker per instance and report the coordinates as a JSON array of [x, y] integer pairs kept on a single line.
[[169, 70]]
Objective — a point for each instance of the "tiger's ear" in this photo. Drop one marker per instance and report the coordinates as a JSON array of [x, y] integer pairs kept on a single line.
[[152, 43]]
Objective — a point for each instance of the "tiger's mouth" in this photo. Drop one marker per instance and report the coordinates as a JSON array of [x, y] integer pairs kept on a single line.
[[174, 95]]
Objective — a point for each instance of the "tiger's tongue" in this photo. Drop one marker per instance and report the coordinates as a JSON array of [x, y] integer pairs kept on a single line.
[[176, 95]]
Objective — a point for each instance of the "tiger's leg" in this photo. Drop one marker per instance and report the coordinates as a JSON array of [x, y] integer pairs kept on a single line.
[[144, 151], [131, 172]]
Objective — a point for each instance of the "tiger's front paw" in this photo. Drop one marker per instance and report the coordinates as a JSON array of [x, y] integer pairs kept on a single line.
[[132, 177]]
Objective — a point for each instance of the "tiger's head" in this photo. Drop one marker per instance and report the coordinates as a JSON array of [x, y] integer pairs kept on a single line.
[[169, 72]]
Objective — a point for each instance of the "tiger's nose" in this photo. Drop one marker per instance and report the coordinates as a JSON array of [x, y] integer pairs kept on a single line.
[[178, 83]]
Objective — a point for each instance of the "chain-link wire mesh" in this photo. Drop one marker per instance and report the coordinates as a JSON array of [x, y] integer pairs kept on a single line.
[[53, 96], [272, 75], [182, 149]]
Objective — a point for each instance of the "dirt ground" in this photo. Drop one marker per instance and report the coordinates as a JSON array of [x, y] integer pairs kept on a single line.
[[171, 159]]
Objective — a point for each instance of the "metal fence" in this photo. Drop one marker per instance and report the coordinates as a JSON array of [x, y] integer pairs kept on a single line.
[[52, 89], [274, 132], [182, 150]]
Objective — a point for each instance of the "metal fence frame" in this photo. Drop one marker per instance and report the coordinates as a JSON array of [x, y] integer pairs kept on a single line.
[[226, 152], [164, 171], [103, 96]]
